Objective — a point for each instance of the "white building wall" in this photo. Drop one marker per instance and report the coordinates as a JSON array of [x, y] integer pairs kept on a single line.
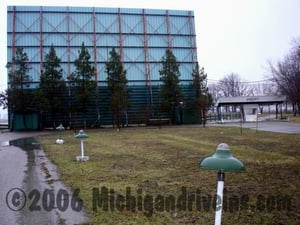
[[250, 112]]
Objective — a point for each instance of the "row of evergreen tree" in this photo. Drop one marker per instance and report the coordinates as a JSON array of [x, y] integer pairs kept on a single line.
[[48, 97]]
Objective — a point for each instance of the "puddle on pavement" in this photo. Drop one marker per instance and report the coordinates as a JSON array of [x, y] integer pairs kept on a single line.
[[42, 175], [26, 144]]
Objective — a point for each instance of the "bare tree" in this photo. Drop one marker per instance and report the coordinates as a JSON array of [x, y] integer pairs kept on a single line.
[[232, 85], [264, 88], [214, 93], [269, 89], [286, 75]]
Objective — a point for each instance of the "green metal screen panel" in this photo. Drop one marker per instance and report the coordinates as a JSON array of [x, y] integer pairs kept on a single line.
[[141, 36]]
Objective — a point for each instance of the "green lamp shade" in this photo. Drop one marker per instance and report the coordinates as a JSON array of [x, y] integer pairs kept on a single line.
[[222, 159], [81, 135], [60, 127]]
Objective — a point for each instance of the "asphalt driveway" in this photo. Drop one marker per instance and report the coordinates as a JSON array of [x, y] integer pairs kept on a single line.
[[30, 189], [274, 126]]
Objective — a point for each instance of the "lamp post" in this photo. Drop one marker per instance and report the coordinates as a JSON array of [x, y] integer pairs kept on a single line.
[[82, 135], [180, 112], [222, 160], [59, 140]]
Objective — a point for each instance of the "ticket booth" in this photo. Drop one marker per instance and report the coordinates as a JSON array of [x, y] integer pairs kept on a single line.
[[250, 112], [248, 105]]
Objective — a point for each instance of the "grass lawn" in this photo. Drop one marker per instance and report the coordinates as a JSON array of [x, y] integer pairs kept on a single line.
[[295, 119], [152, 176]]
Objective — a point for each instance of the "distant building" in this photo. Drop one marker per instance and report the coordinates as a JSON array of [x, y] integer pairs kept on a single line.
[[249, 105], [141, 36]]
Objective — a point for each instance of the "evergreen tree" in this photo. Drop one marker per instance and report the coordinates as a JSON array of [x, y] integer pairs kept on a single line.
[[170, 91], [3, 99], [19, 97], [203, 99], [117, 86], [83, 81], [50, 94]]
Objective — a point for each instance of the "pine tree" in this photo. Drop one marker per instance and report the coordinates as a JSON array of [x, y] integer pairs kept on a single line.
[[83, 79], [50, 95], [3, 99], [117, 86], [19, 97], [203, 98], [170, 91]]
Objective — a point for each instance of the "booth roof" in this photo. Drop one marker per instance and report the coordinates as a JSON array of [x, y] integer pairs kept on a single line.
[[250, 100]]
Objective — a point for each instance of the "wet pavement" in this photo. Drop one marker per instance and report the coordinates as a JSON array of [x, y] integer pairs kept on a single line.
[[31, 192]]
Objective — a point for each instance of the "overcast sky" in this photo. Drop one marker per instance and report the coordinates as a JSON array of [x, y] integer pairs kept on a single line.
[[233, 36]]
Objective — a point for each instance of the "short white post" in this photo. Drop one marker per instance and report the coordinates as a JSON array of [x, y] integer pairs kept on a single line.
[[82, 148], [219, 199], [59, 140], [81, 135]]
